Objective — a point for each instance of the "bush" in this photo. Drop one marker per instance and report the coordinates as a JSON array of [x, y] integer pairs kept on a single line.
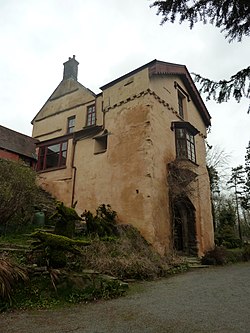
[[10, 273], [20, 197], [103, 224], [234, 255], [128, 256], [217, 256], [227, 237], [17, 190], [246, 252]]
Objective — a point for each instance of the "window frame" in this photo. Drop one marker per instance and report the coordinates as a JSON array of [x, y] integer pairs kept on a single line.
[[181, 104], [44, 155], [70, 127], [91, 115], [185, 145], [184, 98]]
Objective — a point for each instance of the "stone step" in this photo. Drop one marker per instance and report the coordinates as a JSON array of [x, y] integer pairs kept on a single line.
[[194, 262]]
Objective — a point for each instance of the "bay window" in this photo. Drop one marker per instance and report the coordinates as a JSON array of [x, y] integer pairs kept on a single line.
[[184, 140], [52, 156]]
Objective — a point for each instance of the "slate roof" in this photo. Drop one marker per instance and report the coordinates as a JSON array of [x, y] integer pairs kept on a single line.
[[18, 143]]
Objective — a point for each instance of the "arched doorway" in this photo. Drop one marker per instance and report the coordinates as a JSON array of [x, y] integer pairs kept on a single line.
[[184, 226]]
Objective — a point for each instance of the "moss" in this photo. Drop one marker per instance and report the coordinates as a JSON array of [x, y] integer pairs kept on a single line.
[[59, 242], [65, 218]]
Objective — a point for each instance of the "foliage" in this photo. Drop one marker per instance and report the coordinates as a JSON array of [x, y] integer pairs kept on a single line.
[[230, 15], [237, 86], [10, 274], [236, 181], [100, 289], [65, 218], [180, 180], [235, 255], [221, 256], [217, 256], [53, 248], [227, 237], [128, 256], [103, 223], [227, 215], [233, 17], [226, 234], [217, 163], [39, 292], [17, 190], [245, 202], [246, 252]]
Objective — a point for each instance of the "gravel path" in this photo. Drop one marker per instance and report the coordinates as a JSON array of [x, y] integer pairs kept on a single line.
[[201, 301]]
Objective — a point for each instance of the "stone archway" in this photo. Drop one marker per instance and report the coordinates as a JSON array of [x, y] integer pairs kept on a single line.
[[184, 226]]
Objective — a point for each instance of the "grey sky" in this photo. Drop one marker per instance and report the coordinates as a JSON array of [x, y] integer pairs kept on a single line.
[[109, 38]]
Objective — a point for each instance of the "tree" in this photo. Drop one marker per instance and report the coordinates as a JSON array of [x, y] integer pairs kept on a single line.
[[233, 17], [217, 163], [246, 197], [236, 182]]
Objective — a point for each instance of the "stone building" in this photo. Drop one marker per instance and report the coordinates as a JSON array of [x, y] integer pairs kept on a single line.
[[139, 145]]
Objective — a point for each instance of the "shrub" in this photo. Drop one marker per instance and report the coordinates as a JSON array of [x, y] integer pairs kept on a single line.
[[17, 190], [20, 197], [246, 252], [128, 256], [217, 256], [234, 255], [10, 273], [227, 237], [103, 224]]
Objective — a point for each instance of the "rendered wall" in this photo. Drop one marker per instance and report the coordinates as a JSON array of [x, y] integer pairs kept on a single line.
[[132, 174]]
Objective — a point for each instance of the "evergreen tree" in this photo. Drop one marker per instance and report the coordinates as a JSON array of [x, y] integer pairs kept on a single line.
[[233, 17], [236, 183], [246, 198]]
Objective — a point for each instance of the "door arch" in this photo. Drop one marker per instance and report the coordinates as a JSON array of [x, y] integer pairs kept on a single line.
[[184, 226]]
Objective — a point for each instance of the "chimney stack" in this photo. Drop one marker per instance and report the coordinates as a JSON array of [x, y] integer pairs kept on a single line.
[[70, 69]]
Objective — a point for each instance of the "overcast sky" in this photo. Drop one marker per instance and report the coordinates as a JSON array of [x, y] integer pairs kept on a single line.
[[109, 39]]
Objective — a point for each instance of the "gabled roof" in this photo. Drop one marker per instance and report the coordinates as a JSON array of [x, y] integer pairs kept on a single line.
[[65, 87], [18, 143], [157, 67]]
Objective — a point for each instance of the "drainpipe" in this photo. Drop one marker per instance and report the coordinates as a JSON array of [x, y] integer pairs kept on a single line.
[[74, 172], [103, 116]]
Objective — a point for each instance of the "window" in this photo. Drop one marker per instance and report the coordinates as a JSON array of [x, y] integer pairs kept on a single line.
[[71, 124], [52, 156], [181, 100], [91, 115], [185, 145]]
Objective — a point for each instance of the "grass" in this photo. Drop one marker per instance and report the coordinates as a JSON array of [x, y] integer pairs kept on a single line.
[[127, 256]]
